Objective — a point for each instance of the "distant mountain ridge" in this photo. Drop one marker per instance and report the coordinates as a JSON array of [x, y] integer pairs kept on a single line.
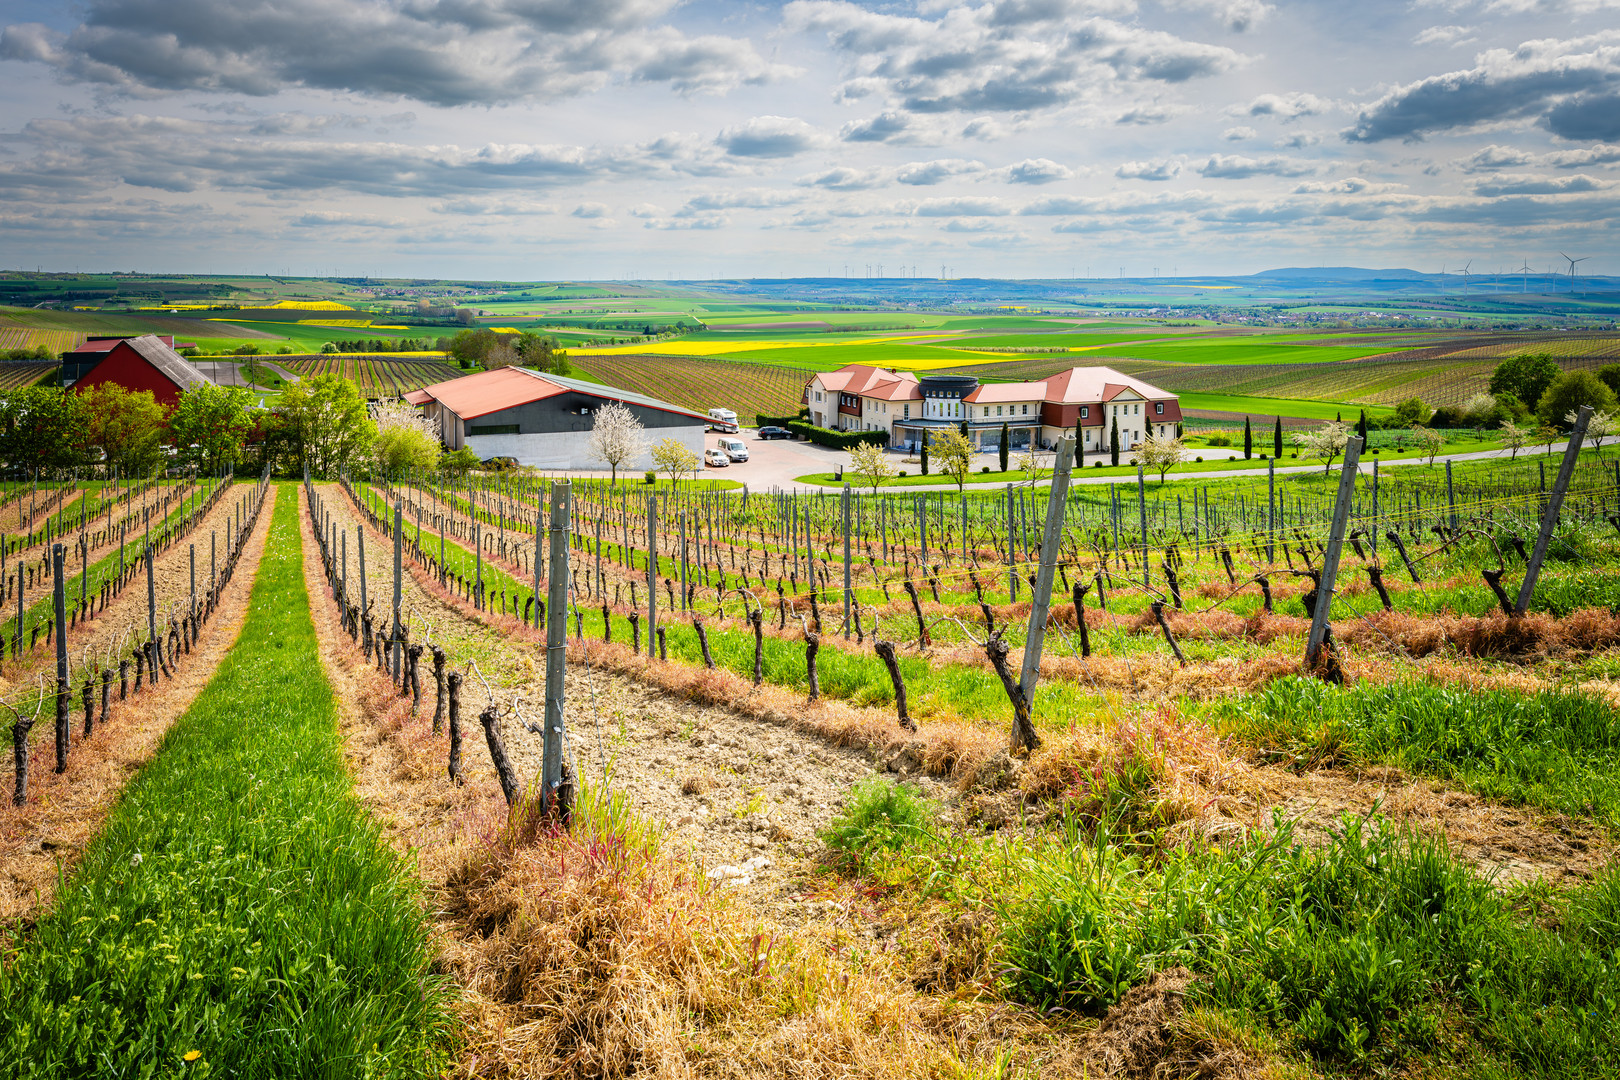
[[1340, 273]]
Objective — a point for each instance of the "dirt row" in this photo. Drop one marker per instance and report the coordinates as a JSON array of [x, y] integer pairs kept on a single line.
[[64, 811]]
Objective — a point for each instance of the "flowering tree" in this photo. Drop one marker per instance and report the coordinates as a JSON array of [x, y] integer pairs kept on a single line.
[[405, 438], [1161, 455], [616, 436], [871, 463], [1326, 442], [1514, 437], [673, 457]]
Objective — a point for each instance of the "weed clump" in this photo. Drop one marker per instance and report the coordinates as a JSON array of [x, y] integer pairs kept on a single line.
[[881, 817]]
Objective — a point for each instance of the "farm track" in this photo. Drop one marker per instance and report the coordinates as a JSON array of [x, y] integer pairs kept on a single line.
[[66, 810]]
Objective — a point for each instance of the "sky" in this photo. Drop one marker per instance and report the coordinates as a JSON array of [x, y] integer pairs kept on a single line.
[[615, 139]]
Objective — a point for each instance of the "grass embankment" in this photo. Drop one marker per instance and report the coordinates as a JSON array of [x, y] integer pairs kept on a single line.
[[241, 915]]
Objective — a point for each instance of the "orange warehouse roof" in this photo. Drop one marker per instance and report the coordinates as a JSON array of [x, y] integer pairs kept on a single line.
[[488, 392]]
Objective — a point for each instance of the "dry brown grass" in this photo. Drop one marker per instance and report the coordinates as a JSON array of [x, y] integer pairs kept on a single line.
[[1494, 636]]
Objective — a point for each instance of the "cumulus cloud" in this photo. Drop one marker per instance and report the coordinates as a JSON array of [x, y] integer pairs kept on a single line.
[[1239, 134], [1297, 140], [1005, 56], [1586, 117], [591, 210], [1561, 76], [1285, 106], [928, 173], [444, 52], [770, 137], [1444, 35], [1350, 185], [1149, 115], [755, 198], [1527, 184], [1494, 157], [1162, 169], [1240, 167], [845, 178], [1035, 171], [986, 206]]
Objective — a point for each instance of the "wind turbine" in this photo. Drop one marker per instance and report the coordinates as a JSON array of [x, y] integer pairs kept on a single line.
[[1466, 265], [1572, 263], [1524, 279]]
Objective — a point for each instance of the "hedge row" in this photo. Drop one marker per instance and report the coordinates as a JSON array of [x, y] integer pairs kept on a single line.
[[838, 440], [781, 421]]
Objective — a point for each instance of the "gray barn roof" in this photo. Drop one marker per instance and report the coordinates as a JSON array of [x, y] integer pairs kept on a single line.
[[171, 363]]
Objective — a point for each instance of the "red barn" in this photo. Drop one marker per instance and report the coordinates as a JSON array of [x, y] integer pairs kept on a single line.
[[145, 363]]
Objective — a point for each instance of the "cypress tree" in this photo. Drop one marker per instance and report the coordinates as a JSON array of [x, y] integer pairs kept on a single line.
[[925, 454], [1276, 440], [1005, 436], [1248, 440], [1113, 443], [1079, 446], [1361, 426]]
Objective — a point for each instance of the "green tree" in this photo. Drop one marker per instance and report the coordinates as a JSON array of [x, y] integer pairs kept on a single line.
[[1248, 441], [1006, 440], [1276, 439], [1079, 446], [541, 353], [1113, 442], [1526, 377], [210, 424], [1361, 427], [1568, 392], [327, 424], [41, 427], [457, 462], [673, 457], [1411, 412], [471, 348], [871, 463], [1610, 376], [925, 455], [406, 439], [122, 428]]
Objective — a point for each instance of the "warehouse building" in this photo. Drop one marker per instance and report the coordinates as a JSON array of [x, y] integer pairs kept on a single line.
[[545, 420]]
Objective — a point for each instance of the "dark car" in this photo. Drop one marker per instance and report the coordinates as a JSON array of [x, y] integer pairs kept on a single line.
[[775, 433]]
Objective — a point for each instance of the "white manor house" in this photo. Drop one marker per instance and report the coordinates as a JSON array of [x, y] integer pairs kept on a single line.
[[859, 397]]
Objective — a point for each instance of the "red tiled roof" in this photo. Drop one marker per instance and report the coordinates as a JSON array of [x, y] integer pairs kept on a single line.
[[872, 382]]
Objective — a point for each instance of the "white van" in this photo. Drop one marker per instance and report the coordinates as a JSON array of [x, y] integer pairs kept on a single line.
[[723, 420], [735, 449]]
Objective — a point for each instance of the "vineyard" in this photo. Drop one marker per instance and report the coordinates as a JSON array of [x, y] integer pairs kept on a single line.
[[16, 375], [1293, 775], [376, 377], [700, 383], [26, 337]]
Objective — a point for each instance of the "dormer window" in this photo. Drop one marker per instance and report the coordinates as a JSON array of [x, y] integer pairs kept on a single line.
[[1085, 412], [1158, 407]]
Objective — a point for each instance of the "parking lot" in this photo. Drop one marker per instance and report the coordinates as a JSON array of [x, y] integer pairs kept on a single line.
[[775, 462]]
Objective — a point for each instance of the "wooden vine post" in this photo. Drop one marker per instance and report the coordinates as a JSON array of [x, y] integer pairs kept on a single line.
[[59, 585], [397, 670], [1057, 497], [551, 767], [1330, 558], [1555, 503]]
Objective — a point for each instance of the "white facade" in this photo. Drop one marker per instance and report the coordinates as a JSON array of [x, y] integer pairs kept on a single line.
[[572, 449]]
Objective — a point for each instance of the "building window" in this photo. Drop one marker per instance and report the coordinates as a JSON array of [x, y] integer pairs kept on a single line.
[[1138, 411], [1158, 407], [493, 429], [1026, 410], [818, 395], [907, 414], [1085, 412], [998, 410]]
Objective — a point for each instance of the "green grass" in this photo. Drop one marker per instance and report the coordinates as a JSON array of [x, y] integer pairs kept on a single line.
[[1558, 749], [240, 904]]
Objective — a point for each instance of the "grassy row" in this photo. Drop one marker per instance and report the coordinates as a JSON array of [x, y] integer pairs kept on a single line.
[[241, 914], [1558, 749]]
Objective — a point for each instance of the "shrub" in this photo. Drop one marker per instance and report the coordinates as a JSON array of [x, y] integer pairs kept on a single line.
[[651, 476], [985, 469], [1200, 457], [1219, 440], [902, 472], [880, 816]]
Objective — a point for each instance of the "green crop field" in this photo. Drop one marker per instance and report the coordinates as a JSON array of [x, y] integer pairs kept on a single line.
[[699, 384]]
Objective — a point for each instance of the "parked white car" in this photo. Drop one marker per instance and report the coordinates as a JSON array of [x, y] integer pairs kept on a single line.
[[735, 449], [715, 459]]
